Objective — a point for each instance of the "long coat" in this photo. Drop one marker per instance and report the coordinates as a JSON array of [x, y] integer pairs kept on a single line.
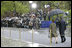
[[53, 30], [62, 27]]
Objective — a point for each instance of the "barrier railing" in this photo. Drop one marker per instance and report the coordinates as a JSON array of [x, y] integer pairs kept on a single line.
[[19, 30], [10, 31]]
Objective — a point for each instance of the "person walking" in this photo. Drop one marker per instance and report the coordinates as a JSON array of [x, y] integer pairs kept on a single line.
[[53, 32], [62, 28]]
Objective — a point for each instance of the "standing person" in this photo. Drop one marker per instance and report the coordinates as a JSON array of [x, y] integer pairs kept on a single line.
[[53, 31], [31, 21], [37, 20], [39, 13], [34, 22], [30, 25], [24, 22], [62, 28], [44, 15]]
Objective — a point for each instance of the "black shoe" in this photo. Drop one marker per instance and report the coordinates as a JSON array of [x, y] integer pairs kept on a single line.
[[62, 41], [56, 42]]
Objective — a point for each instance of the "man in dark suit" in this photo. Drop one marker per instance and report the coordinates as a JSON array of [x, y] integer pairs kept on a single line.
[[62, 28]]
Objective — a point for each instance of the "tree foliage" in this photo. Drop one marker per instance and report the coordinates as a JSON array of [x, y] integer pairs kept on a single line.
[[7, 6], [24, 6]]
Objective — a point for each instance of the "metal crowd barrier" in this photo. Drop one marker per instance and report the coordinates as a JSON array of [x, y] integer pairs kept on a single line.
[[20, 35], [2, 31]]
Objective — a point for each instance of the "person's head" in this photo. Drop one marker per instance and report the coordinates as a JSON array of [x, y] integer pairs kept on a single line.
[[52, 20], [32, 15]]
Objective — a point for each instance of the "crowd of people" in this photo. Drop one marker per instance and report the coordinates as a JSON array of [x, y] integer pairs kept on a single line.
[[30, 20]]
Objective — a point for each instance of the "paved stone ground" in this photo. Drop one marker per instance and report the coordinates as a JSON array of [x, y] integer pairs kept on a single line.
[[6, 42]]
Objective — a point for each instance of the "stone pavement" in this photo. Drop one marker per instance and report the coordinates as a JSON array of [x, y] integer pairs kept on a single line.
[[40, 38], [6, 42]]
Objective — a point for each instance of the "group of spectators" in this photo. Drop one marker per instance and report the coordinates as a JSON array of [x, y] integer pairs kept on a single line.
[[30, 20]]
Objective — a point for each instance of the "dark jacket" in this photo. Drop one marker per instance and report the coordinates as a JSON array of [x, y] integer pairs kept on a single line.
[[62, 27]]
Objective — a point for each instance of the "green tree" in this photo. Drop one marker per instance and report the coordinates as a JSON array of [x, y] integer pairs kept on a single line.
[[7, 6]]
